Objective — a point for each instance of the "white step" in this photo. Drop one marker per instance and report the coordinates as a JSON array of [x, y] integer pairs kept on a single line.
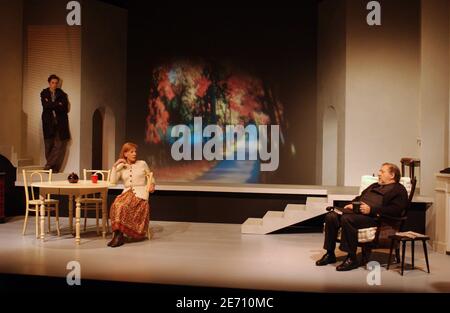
[[252, 226], [29, 168], [9, 152], [294, 211], [292, 214], [316, 204], [24, 162], [273, 218], [55, 176]]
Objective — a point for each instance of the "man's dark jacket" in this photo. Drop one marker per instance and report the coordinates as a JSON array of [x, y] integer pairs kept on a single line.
[[391, 199], [60, 106]]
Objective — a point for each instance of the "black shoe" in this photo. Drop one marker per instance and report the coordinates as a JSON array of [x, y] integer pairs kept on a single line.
[[120, 241], [327, 258], [349, 264], [114, 239]]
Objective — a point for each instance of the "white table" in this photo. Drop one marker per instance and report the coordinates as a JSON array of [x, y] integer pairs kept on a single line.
[[83, 187]]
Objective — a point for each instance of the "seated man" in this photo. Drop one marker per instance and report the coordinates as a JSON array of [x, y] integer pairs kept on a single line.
[[386, 197]]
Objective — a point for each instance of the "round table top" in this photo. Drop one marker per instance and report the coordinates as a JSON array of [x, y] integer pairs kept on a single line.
[[64, 184]]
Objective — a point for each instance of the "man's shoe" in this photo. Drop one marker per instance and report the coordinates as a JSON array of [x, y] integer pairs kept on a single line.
[[327, 258], [348, 265]]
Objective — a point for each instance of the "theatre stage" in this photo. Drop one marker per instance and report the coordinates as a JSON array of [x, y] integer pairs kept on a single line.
[[206, 254]]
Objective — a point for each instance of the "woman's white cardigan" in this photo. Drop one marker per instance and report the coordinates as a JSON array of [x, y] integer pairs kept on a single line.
[[133, 177]]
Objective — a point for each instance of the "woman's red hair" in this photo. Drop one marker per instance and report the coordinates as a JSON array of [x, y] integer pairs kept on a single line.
[[125, 148]]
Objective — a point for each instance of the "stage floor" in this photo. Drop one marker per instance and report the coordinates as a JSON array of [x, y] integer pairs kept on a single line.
[[211, 255]]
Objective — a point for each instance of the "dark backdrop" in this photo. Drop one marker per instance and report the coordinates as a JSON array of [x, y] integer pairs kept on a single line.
[[274, 43]]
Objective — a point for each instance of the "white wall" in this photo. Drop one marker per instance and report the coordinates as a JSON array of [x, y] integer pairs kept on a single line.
[[434, 91], [103, 78], [330, 147], [331, 79], [11, 74], [91, 60], [109, 154], [51, 47], [382, 89]]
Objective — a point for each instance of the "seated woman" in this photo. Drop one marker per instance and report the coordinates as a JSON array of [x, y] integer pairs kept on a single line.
[[130, 211]]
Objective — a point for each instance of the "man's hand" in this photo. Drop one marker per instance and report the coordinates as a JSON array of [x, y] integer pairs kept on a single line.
[[151, 188], [364, 208], [349, 206]]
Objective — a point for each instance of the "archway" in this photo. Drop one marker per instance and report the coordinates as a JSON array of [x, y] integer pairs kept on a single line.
[[103, 138]]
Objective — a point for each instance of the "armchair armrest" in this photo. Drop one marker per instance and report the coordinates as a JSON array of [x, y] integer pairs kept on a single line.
[[392, 218]]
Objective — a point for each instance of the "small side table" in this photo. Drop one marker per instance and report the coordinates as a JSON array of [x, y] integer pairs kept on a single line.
[[403, 240]]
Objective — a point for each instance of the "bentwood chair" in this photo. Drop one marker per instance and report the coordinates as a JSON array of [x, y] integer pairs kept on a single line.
[[94, 201], [33, 202], [150, 180]]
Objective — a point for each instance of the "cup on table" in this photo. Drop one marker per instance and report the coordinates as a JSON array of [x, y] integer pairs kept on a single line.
[[94, 178], [356, 206]]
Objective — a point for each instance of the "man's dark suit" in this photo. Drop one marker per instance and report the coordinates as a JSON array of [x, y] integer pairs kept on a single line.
[[391, 199], [55, 124]]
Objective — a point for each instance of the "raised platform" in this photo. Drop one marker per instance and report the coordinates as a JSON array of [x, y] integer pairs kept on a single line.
[[336, 193], [230, 203]]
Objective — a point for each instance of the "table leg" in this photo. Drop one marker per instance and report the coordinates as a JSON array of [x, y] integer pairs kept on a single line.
[[71, 213], [426, 254], [104, 215], [42, 218], [77, 220], [412, 252]]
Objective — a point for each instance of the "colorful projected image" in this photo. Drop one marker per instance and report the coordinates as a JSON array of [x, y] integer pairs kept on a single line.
[[221, 95]]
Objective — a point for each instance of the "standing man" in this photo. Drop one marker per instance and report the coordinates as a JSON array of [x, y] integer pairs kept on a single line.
[[55, 123]]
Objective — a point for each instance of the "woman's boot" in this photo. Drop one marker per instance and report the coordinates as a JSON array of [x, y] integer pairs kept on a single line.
[[120, 240], [115, 236]]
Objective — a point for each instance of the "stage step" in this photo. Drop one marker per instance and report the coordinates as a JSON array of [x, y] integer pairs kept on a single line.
[[9, 152], [24, 162], [292, 214], [55, 176], [28, 168]]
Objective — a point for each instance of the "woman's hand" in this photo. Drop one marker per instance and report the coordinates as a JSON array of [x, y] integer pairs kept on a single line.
[[364, 208], [119, 161], [151, 188]]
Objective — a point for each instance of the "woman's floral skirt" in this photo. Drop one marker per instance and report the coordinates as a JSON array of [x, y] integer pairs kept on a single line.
[[130, 215]]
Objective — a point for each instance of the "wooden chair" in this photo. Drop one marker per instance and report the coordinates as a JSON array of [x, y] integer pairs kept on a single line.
[[94, 201], [412, 163], [387, 226], [33, 202]]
